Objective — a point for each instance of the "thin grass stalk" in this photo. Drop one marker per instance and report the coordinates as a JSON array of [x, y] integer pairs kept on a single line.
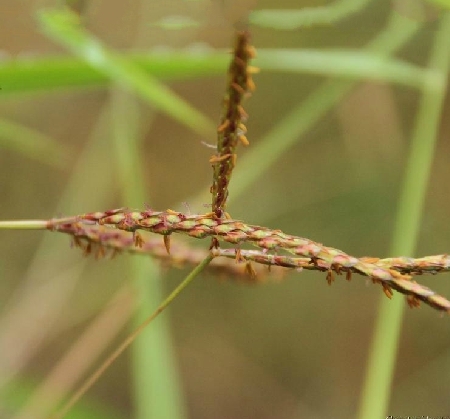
[[156, 384], [380, 368], [129, 340], [72, 366]]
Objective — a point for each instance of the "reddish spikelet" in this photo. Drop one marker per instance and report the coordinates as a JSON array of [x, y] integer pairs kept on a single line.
[[102, 238]]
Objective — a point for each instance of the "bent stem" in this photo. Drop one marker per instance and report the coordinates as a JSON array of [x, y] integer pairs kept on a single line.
[[129, 340]]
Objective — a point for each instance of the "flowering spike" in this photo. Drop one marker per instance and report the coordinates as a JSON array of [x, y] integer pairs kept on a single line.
[[231, 129], [394, 274]]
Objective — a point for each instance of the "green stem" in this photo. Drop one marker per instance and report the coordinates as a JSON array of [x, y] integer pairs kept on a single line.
[[129, 340], [23, 225], [378, 382], [157, 386]]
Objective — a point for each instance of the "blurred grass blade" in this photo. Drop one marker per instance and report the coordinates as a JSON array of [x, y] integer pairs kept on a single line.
[[43, 74], [346, 63], [308, 16], [381, 364], [441, 3], [19, 391], [157, 389], [33, 144], [64, 28], [176, 22]]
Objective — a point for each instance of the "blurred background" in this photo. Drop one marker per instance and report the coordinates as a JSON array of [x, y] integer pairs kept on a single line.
[[224, 349]]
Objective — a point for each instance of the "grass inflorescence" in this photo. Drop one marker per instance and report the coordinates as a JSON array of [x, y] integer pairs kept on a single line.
[[231, 129], [392, 274]]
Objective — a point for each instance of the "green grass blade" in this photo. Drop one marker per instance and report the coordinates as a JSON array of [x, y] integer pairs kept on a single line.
[[377, 387], [63, 27], [308, 16], [345, 63], [20, 391], [157, 388], [32, 144], [50, 73], [44, 74], [441, 3]]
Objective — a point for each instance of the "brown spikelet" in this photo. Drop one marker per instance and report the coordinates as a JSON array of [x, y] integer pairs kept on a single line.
[[231, 129]]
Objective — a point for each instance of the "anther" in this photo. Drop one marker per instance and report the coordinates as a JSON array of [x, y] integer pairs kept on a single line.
[[243, 140], [167, 243]]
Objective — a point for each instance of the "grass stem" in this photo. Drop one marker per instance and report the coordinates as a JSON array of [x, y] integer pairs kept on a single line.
[[129, 340]]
